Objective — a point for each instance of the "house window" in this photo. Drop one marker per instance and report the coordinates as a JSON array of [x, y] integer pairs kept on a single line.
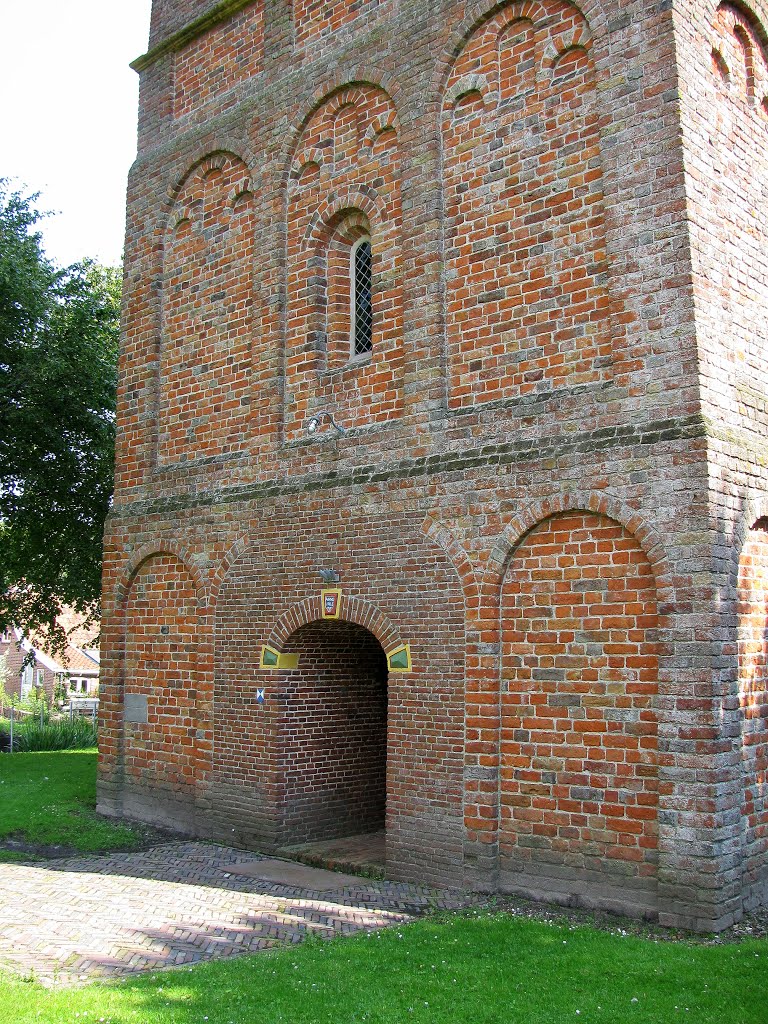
[[361, 298], [27, 681]]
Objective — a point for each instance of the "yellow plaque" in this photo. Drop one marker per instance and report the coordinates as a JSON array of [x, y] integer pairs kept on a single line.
[[399, 660], [274, 661]]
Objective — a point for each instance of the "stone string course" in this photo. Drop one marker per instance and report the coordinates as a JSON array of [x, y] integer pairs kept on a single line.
[[550, 477]]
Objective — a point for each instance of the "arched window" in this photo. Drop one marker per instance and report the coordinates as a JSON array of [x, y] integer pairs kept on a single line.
[[361, 297]]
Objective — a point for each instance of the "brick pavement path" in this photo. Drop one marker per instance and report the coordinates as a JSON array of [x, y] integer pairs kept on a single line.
[[108, 917]]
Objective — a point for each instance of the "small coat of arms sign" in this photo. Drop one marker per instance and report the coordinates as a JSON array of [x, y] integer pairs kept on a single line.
[[331, 603]]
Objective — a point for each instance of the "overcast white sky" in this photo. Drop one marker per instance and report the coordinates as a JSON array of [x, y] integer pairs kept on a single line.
[[68, 121]]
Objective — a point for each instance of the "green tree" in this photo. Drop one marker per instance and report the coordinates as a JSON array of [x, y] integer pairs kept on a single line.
[[59, 333]]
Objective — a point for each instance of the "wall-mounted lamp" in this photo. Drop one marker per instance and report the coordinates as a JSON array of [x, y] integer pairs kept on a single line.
[[312, 426]]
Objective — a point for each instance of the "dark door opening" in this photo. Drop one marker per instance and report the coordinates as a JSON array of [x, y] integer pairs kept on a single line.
[[333, 734]]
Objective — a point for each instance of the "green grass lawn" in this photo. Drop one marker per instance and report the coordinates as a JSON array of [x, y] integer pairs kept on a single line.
[[482, 969], [49, 799]]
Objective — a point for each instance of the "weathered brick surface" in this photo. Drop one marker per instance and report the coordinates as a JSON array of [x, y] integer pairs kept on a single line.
[[579, 744], [207, 326], [526, 272], [753, 706], [317, 21], [253, 773], [553, 461], [344, 185], [160, 664], [213, 63]]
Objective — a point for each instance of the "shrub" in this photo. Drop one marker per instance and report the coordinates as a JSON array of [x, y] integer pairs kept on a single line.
[[77, 734], [37, 704]]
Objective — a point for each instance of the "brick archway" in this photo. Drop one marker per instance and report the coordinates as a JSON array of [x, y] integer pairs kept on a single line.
[[332, 733], [355, 610]]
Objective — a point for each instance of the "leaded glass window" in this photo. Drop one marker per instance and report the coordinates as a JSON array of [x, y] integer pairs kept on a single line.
[[362, 297]]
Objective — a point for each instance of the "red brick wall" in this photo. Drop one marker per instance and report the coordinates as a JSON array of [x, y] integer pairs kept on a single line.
[[344, 183], [161, 648], [332, 738], [726, 118], [527, 300], [206, 353], [172, 15], [572, 281], [218, 60], [397, 574], [317, 20], [579, 775], [723, 74], [753, 700]]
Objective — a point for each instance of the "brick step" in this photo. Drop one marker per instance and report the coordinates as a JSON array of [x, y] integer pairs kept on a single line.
[[363, 855]]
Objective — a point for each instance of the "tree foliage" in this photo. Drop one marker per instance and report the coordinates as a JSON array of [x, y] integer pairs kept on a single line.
[[59, 333]]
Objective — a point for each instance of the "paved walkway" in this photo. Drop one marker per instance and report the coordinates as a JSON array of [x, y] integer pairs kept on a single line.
[[91, 917]]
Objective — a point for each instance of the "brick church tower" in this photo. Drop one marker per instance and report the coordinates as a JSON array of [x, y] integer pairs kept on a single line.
[[441, 505]]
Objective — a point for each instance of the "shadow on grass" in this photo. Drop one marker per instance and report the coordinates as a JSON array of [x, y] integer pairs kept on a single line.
[[485, 969]]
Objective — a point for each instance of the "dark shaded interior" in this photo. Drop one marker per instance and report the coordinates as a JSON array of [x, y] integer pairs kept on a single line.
[[333, 733]]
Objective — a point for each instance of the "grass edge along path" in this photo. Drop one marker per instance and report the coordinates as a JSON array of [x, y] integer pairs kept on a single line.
[[472, 968], [48, 799]]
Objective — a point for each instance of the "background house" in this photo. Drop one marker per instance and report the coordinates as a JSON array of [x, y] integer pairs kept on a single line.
[[28, 666]]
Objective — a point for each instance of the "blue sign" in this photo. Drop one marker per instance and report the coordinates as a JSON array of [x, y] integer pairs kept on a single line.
[[259, 696]]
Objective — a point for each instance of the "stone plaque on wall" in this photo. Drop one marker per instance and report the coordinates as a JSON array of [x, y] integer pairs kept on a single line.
[[136, 708]]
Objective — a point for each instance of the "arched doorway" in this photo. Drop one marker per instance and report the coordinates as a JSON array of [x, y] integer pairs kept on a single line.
[[333, 734]]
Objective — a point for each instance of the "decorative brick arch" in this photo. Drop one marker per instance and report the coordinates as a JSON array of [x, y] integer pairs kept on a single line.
[[440, 535], [749, 603], [343, 79], [467, 84], [362, 198], [160, 658], [233, 555], [354, 609], [599, 504], [213, 162], [207, 252], [352, 189], [534, 253], [735, 22], [224, 148], [480, 11], [754, 510], [579, 670], [755, 13], [482, 804], [150, 550]]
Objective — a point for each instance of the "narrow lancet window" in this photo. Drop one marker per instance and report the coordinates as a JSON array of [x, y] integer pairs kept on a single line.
[[361, 298]]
